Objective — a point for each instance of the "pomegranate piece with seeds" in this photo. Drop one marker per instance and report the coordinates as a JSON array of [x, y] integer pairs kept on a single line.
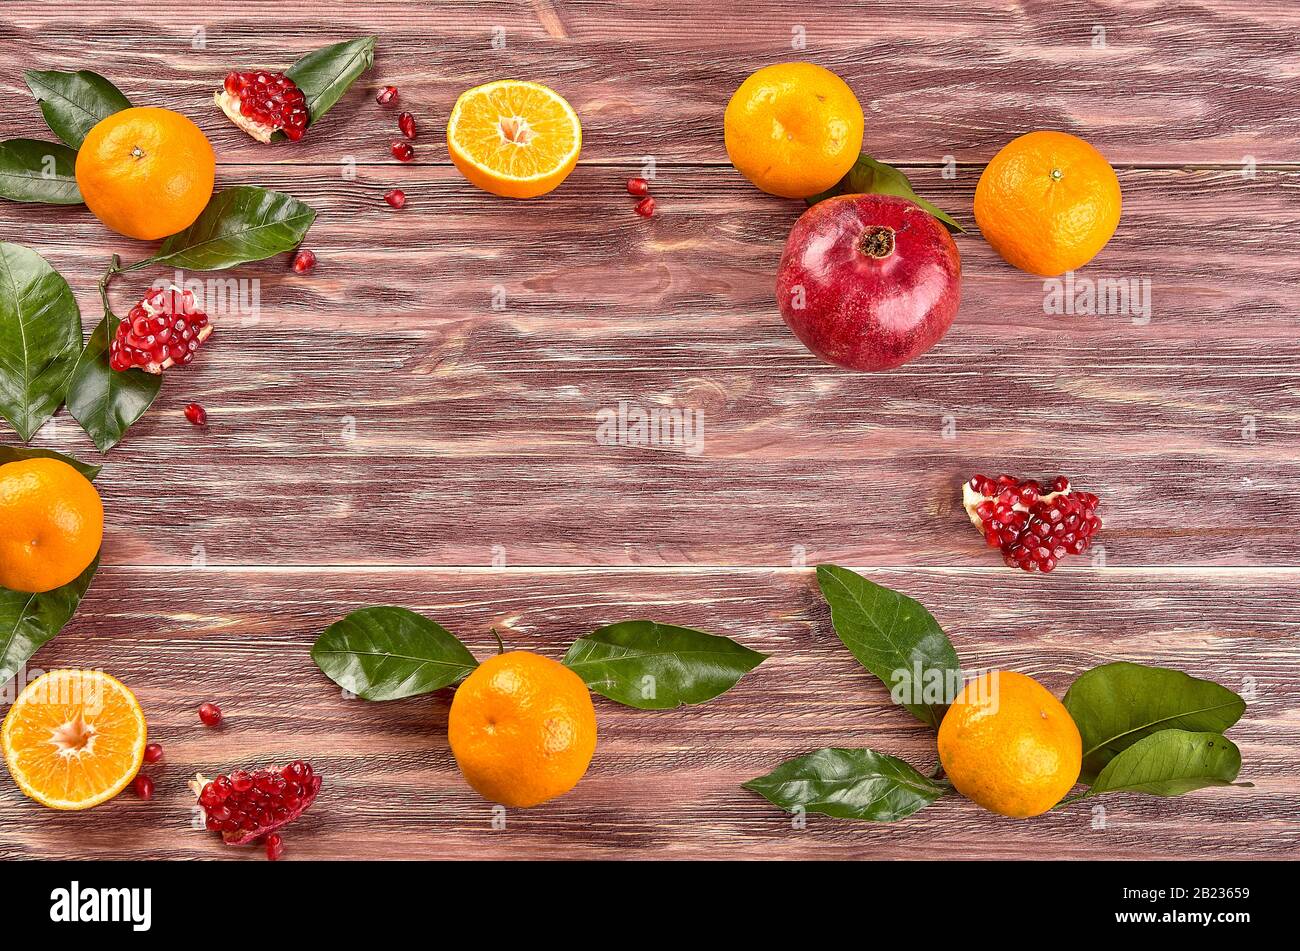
[[1033, 527], [248, 804], [263, 103], [163, 330]]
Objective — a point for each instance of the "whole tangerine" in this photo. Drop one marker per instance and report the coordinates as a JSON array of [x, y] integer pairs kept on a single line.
[[146, 172], [793, 129], [51, 524], [1010, 746], [1048, 203], [522, 728]]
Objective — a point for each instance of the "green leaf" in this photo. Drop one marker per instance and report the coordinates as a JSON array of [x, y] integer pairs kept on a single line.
[[43, 172], [40, 337], [107, 402], [29, 620], [848, 784], [1170, 763], [240, 224], [654, 666], [383, 653], [73, 103], [18, 453], [325, 75], [896, 639], [869, 177], [1116, 705]]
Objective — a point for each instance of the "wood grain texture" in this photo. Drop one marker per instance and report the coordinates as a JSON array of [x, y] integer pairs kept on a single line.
[[663, 783], [935, 79], [389, 367], [425, 404]]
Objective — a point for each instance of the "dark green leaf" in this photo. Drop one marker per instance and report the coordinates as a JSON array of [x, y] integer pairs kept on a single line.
[[325, 75], [29, 620], [73, 103], [654, 666], [869, 177], [848, 784], [19, 453], [1170, 763], [107, 402], [383, 653], [896, 639], [1116, 705], [38, 171], [240, 224], [40, 337]]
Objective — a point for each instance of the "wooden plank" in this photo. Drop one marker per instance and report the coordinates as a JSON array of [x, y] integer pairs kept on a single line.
[[663, 783], [381, 411], [1179, 82]]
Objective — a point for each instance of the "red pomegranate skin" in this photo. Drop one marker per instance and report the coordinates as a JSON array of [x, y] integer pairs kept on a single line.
[[869, 282]]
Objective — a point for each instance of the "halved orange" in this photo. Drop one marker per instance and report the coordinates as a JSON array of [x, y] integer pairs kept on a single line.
[[74, 738], [514, 138]]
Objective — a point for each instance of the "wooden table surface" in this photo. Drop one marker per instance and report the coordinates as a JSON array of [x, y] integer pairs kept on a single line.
[[385, 434]]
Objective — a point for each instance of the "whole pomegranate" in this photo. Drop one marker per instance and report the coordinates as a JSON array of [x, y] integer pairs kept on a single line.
[[869, 282]]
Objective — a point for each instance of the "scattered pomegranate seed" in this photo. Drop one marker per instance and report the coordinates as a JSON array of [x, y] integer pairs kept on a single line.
[[387, 96], [245, 806], [1033, 529], [163, 330], [638, 187], [274, 846], [304, 261], [645, 208], [406, 122], [210, 714], [143, 786], [396, 198], [153, 752], [402, 151], [196, 414]]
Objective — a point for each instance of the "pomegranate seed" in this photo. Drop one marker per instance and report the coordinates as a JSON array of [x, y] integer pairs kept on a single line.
[[240, 781], [1033, 530], [645, 207], [210, 714], [143, 786], [265, 102], [638, 187], [402, 151], [396, 198], [304, 261], [153, 752], [274, 846], [406, 122], [196, 414], [387, 96]]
